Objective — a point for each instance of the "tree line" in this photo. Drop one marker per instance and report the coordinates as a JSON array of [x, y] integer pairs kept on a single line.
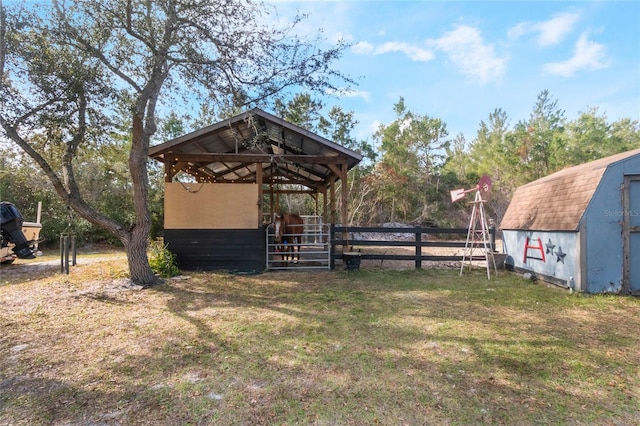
[[412, 163]]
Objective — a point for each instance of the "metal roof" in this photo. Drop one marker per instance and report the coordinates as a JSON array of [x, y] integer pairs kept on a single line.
[[557, 202], [230, 150]]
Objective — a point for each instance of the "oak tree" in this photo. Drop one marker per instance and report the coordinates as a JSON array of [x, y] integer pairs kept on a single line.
[[64, 67]]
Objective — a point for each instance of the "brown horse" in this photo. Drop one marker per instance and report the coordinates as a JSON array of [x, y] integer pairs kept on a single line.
[[288, 232]]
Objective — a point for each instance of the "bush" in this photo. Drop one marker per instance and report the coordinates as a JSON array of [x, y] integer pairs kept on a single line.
[[161, 260]]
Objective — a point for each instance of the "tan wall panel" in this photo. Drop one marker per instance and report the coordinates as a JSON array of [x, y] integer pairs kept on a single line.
[[210, 206]]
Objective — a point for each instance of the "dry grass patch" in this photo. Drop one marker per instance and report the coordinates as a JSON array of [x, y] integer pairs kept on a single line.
[[367, 347]]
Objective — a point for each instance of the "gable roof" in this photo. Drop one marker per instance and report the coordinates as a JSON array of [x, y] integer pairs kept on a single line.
[[558, 201], [230, 150]]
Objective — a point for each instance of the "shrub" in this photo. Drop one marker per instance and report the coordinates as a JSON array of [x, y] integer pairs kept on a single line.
[[161, 260]]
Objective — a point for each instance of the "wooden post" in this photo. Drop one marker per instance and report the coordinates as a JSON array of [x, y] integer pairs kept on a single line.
[[332, 259], [276, 208], [418, 248], [315, 200], [332, 199], [260, 192], [325, 205], [168, 169], [271, 200], [344, 185]]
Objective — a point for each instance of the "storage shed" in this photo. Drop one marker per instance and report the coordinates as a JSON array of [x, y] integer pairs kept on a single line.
[[238, 169], [580, 227]]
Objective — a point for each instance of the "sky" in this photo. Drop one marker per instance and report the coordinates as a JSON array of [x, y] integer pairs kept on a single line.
[[460, 60]]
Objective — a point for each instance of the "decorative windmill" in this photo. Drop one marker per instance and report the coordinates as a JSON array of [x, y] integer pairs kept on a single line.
[[478, 234]]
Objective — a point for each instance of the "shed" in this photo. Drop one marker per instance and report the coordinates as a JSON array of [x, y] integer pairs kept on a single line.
[[580, 227], [239, 167]]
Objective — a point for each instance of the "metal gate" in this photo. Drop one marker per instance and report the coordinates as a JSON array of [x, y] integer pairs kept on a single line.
[[315, 248]]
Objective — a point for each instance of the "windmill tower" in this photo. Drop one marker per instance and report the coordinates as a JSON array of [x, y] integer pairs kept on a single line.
[[477, 242]]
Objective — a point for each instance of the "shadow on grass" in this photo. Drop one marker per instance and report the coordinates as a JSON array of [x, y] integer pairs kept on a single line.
[[467, 351], [17, 273], [388, 347]]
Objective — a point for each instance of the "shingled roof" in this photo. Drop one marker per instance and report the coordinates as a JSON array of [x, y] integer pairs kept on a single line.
[[230, 150], [558, 201]]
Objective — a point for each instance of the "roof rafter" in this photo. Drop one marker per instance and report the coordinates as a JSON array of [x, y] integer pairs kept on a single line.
[[231, 150]]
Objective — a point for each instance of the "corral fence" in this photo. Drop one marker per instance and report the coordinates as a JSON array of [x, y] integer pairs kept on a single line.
[[418, 237], [314, 248]]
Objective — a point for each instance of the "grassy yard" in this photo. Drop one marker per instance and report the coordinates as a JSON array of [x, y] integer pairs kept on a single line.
[[324, 348]]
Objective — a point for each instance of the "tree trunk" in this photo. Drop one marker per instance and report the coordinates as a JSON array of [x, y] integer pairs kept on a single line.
[[139, 270]]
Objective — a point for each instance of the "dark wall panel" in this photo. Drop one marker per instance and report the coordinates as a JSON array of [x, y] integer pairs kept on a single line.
[[218, 249]]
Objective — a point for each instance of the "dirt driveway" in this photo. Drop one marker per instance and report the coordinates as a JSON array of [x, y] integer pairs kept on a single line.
[[50, 263]]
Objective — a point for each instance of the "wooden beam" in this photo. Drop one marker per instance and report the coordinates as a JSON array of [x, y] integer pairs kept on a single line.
[[295, 179], [259, 158], [335, 169], [180, 165], [226, 171], [294, 191]]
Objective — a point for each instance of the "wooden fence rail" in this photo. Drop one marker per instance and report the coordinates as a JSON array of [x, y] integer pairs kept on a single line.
[[417, 241]]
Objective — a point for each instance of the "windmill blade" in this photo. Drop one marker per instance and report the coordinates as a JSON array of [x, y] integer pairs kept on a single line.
[[457, 194]]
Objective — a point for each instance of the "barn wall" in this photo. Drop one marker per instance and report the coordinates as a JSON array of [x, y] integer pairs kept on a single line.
[[555, 256], [218, 249], [210, 206], [604, 218]]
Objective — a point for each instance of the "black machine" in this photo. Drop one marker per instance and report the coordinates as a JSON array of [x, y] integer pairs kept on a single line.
[[11, 232]]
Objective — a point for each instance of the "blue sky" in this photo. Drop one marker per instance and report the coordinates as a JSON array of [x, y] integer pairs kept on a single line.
[[459, 60]]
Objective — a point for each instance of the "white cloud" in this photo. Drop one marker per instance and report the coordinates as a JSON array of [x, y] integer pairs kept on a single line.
[[586, 55], [468, 51], [359, 94], [415, 53], [366, 96], [551, 31], [363, 48], [464, 46]]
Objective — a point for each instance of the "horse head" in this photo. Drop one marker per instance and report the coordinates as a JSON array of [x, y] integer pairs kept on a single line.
[[278, 224]]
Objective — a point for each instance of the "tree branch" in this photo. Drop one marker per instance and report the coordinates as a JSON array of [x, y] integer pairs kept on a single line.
[[95, 52]]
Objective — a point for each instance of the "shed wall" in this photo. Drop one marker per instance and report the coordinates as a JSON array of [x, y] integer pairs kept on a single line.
[[604, 220], [632, 255], [210, 206], [553, 255]]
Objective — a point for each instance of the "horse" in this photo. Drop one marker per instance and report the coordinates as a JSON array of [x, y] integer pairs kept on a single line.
[[288, 232]]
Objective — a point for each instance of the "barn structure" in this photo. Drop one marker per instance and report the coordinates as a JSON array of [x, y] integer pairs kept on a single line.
[[237, 170], [580, 227]]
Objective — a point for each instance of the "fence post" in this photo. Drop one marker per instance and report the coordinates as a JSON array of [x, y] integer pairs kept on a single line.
[[67, 242], [64, 254], [61, 253], [418, 248], [73, 251], [332, 256]]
